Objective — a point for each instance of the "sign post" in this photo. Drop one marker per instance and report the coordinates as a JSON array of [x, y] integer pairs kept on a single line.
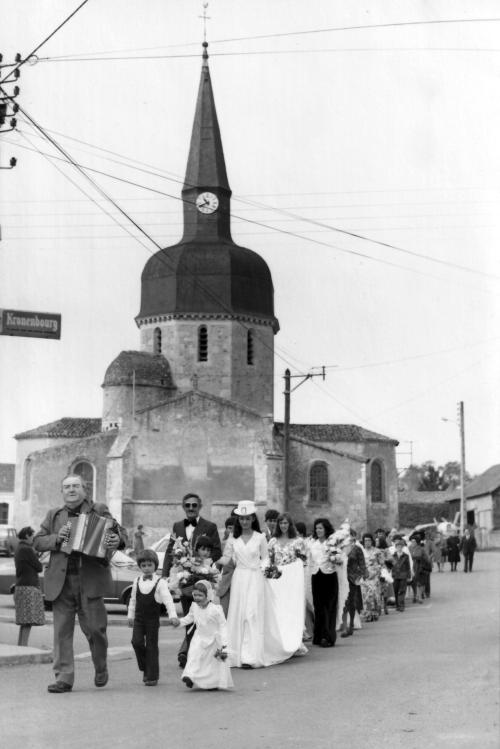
[[30, 324]]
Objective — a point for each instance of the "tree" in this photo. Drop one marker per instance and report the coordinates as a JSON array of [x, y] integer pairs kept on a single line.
[[427, 478]]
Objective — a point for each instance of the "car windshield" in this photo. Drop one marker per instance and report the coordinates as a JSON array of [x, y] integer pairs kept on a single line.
[[4, 532], [122, 560], [161, 545]]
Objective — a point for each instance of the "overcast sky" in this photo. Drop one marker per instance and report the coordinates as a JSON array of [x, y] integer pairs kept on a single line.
[[388, 132]]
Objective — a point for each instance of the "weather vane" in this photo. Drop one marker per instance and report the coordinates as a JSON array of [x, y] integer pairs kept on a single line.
[[205, 19]]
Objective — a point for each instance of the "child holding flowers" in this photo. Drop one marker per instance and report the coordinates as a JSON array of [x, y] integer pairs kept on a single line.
[[207, 666]]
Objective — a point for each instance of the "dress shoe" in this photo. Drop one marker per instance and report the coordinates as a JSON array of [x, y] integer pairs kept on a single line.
[[182, 658], [347, 633], [59, 687], [150, 682], [187, 681], [101, 679]]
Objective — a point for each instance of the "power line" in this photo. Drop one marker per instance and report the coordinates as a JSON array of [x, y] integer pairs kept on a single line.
[[306, 237], [39, 46]]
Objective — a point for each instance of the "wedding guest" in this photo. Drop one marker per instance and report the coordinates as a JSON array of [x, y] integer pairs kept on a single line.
[[325, 585], [149, 592], [453, 550], [138, 540], [207, 666], [421, 568], [401, 573], [270, 519], [223, 589], [468, 546], [28, 598], [188, 530], [356, 572], [370, 587]]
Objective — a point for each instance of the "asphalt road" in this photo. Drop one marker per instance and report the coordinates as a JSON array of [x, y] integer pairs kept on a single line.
[[428, 677]]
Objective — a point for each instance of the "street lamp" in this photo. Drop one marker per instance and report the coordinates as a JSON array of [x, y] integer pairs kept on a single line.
[[461, 425]]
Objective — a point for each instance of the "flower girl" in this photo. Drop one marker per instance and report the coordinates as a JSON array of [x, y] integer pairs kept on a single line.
[[206, 666]]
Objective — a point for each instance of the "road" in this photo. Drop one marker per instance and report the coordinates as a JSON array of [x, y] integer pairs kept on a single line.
[[428, 677]]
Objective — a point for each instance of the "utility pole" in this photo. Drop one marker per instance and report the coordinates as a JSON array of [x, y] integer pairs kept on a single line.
[[461, 425], [286, 426]]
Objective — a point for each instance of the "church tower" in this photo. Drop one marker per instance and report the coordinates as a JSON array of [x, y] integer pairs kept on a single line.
[[207, 304]]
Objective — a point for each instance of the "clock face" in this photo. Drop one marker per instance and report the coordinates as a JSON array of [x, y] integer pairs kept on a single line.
[[207, 202]]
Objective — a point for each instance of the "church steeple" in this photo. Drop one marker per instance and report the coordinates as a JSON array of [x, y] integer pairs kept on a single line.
[[206, 192]]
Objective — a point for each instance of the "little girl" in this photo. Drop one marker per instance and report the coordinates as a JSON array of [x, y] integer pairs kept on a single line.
[[206, 666]]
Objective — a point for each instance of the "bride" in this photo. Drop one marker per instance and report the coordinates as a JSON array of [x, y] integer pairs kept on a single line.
[[285, 595]]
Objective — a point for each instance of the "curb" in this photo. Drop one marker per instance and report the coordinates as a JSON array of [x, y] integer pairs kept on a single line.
[[18, 657]]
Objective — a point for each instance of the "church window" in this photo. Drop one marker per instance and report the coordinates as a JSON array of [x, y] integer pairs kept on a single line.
[[202, 343], [250, 350], [376, 481], [87, 472], [157, 341], [318, 483]]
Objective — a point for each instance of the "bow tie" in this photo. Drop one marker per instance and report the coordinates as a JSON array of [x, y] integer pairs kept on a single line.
[[189, 521], [147, 577]]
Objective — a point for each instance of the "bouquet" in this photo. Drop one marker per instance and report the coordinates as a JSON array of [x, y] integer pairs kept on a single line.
[[333, 548], [271, 570], [189, 569], [221, 653]]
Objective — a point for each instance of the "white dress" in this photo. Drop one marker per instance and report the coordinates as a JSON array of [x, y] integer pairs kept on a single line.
[[202, 667], [245, 619], [285, 603]]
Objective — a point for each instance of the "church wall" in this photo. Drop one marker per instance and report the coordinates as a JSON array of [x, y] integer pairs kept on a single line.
[[48, 468], [252, 384], [199, 445], [346, 494]]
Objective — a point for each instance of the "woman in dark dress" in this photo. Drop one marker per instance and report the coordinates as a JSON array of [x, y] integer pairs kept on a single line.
[[28, 597], [453, 546]]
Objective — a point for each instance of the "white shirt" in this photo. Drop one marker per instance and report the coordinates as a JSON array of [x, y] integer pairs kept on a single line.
[[319, 557], [162, 594], [190, 529]]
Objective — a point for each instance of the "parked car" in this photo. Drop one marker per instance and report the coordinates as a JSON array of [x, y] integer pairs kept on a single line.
[[123, 572], [8, 540], [160, 547]]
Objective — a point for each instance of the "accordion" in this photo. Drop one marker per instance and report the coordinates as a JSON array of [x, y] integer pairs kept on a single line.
[[87, 534]]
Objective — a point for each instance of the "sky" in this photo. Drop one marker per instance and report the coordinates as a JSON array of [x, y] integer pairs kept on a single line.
[[378, 120]]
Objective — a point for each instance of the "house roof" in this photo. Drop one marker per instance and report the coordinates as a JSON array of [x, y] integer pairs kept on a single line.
[[7, 477], [68, 426], [412, 496], [335, 433], [486, 483]]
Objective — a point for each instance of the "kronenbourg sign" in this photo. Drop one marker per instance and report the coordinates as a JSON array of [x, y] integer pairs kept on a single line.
[[31, 324]]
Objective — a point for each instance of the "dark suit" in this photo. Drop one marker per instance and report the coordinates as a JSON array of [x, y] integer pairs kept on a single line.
[[75, 585], [203, 528]]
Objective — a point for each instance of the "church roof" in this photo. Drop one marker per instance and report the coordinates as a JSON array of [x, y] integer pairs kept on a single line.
[[65, 427], [7, 477], [139, 368], [206, 273], [335, 433]]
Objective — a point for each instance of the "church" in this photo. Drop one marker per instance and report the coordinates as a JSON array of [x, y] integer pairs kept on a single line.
[[192, 409]]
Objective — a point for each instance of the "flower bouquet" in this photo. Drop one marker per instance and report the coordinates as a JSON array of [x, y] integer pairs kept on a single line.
[[333, 548], [271, 570], [221, 653]]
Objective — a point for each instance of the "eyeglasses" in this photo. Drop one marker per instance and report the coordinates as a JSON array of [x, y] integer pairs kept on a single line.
[[190, 507]]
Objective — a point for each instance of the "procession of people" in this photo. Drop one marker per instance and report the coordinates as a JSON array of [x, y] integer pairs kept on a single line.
[[256, 599]]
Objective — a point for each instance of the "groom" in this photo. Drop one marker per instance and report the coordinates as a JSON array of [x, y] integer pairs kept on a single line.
[[190, 529]]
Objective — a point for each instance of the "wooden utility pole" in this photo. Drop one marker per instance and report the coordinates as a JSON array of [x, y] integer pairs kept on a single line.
[[461, 425], [286, 428]]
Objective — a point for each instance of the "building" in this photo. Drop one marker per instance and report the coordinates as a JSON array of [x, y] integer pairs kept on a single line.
[[482, 506], [7, 477], [192, 409]]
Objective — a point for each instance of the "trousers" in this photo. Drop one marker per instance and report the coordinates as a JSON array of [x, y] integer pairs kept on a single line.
[[400, 592], [92, 618]]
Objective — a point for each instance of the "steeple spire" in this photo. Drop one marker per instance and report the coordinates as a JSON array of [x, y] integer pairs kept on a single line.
[[206, 168]]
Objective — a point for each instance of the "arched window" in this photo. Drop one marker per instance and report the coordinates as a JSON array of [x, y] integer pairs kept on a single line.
[[377, 481], [249, 346], [318, 483], [202, 343], [157, 341], [86, 470]]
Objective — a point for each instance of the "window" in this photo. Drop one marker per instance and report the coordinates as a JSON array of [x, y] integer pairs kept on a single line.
[[86, 470], [202, 343], [377, 481], [249, 346], [157, 341], [318, 483], [4, 513]]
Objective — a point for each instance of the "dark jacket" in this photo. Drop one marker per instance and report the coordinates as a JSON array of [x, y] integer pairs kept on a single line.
[[468, 545], [356, 565], [401, 569], [95, 575], [203, 528], [27, 565]]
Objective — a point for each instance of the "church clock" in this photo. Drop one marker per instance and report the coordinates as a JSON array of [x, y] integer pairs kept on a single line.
[[207, 202]]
